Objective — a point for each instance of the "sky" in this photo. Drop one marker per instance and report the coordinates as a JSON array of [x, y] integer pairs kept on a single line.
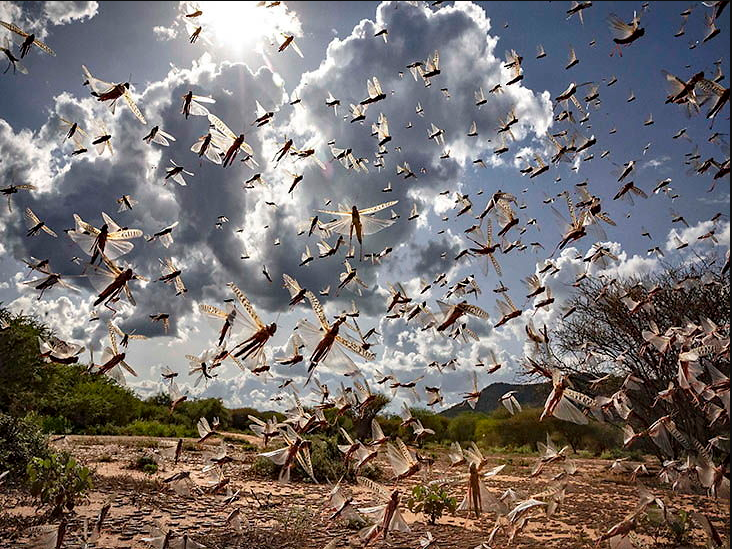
[[236, 62]]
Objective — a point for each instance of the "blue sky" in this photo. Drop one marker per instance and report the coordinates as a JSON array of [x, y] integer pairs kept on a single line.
[[237, 64]]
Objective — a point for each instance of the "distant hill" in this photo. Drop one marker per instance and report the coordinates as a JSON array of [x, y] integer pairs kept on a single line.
[[529, 395]]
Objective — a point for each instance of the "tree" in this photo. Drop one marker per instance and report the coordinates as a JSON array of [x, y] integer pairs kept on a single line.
[[603, 336], [22, 372], [462, 427], [362, 421]]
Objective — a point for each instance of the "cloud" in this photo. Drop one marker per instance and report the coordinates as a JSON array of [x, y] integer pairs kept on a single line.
[[691, 236], [10, 11], [62, 13], [164, 34], [67, 314], [460, 34], [656, 162], [209, 257], [89, 184], [236, 391], [720, 198], [233, 27], [37, 17]]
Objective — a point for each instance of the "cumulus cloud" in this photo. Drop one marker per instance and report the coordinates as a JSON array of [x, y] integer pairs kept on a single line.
[[62, 13], [210, 257], [266, 221], [67, 314], [137, 169], [37, 17], [237, 391], [163, 34], [703, 234]]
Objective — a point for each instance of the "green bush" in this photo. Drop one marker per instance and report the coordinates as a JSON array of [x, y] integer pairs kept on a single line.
[[85, 400], [193, 410], [462, 427], [146, 464], [23, 374], [58, 481], [264, 468], [20, 441], [660, 526], [439, 424], [153, 428], [327, 460], [390, 426], [69, 400], [523, 428], [487, 432], [617, 453], [680, 527], [595, 437], [56, 424], [432, 500]]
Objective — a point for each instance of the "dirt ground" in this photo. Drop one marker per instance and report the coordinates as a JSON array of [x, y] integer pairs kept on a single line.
[[296, 515]]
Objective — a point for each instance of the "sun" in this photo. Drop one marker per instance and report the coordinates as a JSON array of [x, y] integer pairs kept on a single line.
[[240, 25]]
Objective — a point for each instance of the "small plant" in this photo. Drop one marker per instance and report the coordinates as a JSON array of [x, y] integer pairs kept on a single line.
[[292, 527], [667, 526], [146, 464], [56, 424], [58, 481], [680, 527], [355, 523], [432, 501], [295, 521]]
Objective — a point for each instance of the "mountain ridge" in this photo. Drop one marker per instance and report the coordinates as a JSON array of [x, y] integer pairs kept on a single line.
[[530, 395]]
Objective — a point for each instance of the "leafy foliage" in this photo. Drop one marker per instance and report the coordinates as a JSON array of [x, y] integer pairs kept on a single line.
[[689, 292], [58, 481], [68, 399], [327, 459], [499, 429], [462, 427], [668, 526], [328, 462], [154, 428], [146, 464], [432, 500], [240, 417], [20, 441], [362, 422], [681, 527], [23, 374]]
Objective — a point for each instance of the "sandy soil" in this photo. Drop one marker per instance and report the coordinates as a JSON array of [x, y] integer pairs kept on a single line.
[[296, 515]]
